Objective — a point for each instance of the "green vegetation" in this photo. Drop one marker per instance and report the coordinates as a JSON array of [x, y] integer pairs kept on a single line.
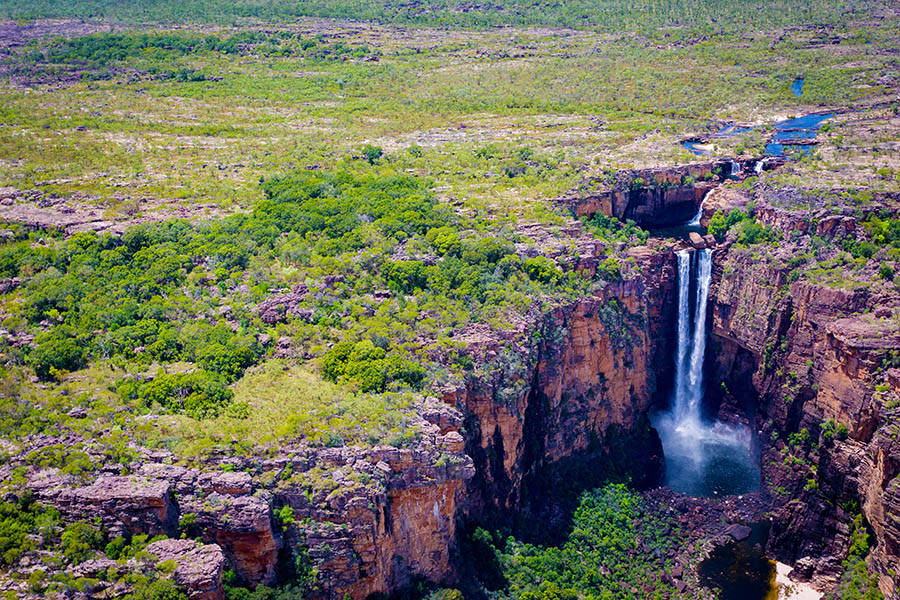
[[27, 527], [747, 229], [307, 225], [613, 230], [79, 541], [609, 16], [18, 521], [857, 583], [605, 555], [158, 293]]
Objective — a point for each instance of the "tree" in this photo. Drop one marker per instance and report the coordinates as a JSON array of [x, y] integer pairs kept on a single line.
[[79, 540], [372, 153], [56, 350]]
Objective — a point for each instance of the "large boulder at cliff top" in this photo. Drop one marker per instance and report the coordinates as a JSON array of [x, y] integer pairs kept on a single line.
[[198, 567]]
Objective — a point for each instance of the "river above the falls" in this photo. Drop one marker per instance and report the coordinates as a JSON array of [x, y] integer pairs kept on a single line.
[[792, 136]]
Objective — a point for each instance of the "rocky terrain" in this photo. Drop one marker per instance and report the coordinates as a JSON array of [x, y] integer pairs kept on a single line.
[[270, 330], [561, 401]]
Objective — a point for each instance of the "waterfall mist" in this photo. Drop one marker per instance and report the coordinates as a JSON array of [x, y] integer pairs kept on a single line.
[[703, 458]]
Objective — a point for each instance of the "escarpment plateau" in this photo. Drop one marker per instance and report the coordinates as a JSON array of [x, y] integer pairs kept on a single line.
[[559, 401], [556, 404]]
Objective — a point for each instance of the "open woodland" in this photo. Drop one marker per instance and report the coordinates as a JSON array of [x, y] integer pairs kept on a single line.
[[228, 229]]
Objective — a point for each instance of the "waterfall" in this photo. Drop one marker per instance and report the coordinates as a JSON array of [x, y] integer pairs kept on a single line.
[[702, 457], [684, 326], [698, 346], [758, 167], [735, 168], [695, 221], [691, 342]]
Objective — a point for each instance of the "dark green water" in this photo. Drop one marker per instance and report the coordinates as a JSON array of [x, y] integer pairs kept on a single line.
[[740, 570]]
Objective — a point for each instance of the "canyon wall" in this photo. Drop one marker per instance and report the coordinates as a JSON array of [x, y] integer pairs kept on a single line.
[[652, 198], [810, 366], [568, 404]]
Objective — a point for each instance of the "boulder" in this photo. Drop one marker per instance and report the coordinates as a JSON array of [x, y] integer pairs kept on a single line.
[[198, 567], [738, 532], [235, 483], [697, 240], [126, 505], [278, 308]]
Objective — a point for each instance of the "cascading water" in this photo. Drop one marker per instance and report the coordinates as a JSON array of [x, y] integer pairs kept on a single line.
[[702, 458], [695, 222]]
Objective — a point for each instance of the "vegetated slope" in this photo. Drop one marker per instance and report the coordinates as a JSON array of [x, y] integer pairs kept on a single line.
[[609, 15], [267, 381]]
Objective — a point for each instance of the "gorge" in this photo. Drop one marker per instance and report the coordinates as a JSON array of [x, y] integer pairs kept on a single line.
[[428, 300]]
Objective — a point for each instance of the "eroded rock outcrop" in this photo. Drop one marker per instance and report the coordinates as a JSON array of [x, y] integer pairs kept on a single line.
[[198, 567], [651, 197], [369, 520], [808, 364]]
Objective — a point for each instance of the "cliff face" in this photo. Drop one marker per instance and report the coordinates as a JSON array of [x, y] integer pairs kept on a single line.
[[795, 357], [653, 197], [368, 520], [578, 401]]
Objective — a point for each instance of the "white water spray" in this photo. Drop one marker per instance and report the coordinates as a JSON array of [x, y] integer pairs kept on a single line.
[[695, 221], [700, 455]]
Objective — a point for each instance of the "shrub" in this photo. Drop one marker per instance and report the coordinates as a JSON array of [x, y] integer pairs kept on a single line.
[[198, 394], [541, 269], [751, 232], [857, 583], [229, 360], [720, 223], [19, 520], [609, 269], [54, 351], [615, 545], [162, 589], [370, 366], [444, 240], [372, 153], [285, 516], [79, 541]]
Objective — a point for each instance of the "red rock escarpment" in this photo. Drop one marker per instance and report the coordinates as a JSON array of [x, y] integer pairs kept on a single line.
[[370, 520], [576, 390], [652, 197], [810, 353]]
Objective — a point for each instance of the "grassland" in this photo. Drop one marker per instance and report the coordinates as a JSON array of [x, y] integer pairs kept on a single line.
[[195, 130], [605, 15], [484, 125]]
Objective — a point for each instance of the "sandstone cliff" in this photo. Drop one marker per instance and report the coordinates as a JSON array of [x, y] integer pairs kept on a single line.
[[809, 365], [652, 198]]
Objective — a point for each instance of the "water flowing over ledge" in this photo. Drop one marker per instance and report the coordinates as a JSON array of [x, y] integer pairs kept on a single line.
[[702, 458]]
